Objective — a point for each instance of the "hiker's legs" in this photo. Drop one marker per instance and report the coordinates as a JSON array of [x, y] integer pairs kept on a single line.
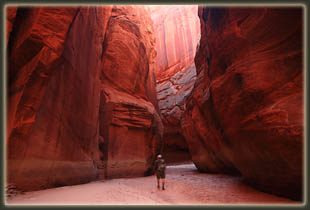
[[157, 182], [163, 183]]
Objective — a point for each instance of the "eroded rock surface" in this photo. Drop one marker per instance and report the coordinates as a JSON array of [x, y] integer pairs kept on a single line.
[[171, 96], [67, 71], [246, 111]]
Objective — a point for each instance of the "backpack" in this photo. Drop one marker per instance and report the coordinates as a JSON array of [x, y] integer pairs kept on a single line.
[[161, 165]]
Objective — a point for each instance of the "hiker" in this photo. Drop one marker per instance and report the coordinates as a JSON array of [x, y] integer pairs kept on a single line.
[[160, 171]]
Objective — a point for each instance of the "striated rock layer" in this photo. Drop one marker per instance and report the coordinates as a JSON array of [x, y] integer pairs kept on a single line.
[[73, 89], [177, 30], [246, 111], [171, 94]]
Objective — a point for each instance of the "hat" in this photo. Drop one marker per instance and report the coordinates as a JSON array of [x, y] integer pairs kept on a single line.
[[159, 156]]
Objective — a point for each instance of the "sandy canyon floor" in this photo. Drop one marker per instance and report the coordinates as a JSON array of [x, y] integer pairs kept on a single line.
[[184, 186]]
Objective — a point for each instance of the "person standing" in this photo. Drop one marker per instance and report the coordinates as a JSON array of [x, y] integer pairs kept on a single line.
[[160, 171]]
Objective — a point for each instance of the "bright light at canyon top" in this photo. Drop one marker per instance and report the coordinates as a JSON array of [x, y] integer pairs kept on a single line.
[[154, 8], [177, 30]]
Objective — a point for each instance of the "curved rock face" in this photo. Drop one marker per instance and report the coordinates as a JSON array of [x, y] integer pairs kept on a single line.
[[246, 111], [53, 139], [67, 104], [177, 30]]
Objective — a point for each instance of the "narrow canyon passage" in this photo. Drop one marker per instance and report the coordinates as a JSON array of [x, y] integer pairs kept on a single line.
[[95, 93], [185, 186], [177, 32]]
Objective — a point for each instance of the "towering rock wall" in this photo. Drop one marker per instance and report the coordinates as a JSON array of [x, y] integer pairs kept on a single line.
[[69, 98], [130, 126], [29, 45], [177, 31], [246, 111]]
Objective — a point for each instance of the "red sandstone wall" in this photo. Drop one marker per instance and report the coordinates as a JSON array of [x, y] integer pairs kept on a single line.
[[246, 111], [130, 125], [61, 84], [10, 17]]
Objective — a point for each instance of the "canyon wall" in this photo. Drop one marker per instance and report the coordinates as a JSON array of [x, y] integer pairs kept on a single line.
[[245, 114], [130, 125], [10, 17], [177, 30], [78, 97]]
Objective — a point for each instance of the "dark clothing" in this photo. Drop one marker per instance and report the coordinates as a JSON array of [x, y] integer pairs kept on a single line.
[[160, 168], [160, 174]]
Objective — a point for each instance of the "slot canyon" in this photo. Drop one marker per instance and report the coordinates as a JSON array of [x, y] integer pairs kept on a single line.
[[97, 92]]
